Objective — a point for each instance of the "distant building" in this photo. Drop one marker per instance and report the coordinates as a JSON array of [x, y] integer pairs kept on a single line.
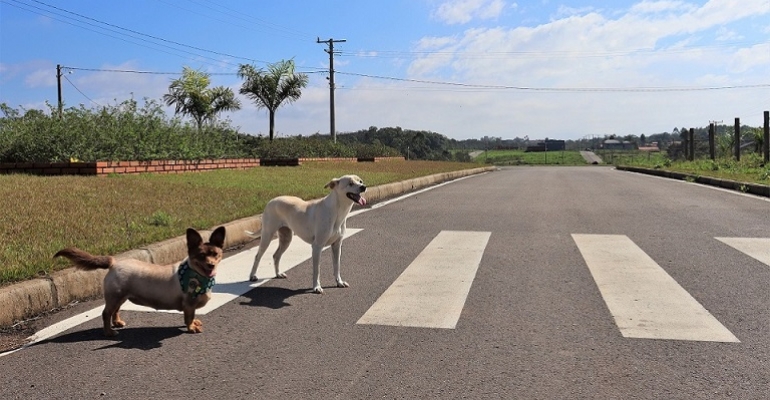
[[548, 145], [650, 147], [614, 144]]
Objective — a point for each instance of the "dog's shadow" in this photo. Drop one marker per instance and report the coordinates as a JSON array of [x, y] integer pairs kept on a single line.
[[139, 338], [271, 297]]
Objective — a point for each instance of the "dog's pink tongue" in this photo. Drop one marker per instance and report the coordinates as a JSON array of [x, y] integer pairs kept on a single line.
[[362, 201]]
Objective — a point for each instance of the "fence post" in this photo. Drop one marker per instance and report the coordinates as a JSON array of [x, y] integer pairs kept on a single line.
[[737, 139], [712, 146], [692, 144], [767, 137]]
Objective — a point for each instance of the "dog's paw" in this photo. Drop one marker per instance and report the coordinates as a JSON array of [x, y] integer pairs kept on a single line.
[[318, 290], [110, 333], [253, 278], [281, 275], [119, 323], [195, 327], [342, 283]]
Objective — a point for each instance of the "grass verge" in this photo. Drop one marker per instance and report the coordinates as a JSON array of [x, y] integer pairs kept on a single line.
[[108, 215]]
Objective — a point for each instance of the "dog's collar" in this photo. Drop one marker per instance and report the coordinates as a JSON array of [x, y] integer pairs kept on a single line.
[[192, 282]]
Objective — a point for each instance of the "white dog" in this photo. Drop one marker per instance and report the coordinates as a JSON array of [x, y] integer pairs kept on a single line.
[[319, 222]]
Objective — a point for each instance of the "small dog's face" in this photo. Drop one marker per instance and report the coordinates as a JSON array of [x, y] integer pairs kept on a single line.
[[351, 186], [204, 257]]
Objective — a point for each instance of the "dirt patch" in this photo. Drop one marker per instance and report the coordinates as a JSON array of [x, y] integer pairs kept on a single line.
[[15, 336]]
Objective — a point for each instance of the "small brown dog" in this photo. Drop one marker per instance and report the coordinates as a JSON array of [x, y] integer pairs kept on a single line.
[[184, 287]]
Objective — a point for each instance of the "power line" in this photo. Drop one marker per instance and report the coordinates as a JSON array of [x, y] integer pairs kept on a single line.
[[457, 86], [132, 33], [562, 89], [146, 35], [537, 54], [129, 71], [79, 91], [240, 15]]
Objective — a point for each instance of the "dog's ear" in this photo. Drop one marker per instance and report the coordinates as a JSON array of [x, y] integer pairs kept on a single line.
[[332, 183], [218, 237], [194, 239]]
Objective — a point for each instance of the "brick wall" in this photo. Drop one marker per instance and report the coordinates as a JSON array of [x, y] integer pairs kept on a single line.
[[103, 168]]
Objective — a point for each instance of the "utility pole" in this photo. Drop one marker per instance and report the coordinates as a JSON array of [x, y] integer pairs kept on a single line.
[[331, 42], [58, 84]]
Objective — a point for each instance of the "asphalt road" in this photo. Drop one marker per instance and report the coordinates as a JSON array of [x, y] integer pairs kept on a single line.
[[535, 323]]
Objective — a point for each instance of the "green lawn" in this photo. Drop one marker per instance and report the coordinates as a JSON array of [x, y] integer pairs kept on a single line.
[[520, 157], [108, 215]]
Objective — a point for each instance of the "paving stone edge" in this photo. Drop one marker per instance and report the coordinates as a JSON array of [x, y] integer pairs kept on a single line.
[[745, 187]]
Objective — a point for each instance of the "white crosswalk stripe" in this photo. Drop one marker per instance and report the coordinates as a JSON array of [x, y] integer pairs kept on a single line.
[[431, 292], [645, 301], [758, 248]]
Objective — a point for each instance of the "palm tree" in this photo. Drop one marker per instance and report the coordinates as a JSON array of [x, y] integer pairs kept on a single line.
[[269, 89], [191, 95]]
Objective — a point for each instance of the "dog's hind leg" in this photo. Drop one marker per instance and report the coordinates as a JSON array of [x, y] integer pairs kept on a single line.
[[110, 315], [284, 240], [336, 252]]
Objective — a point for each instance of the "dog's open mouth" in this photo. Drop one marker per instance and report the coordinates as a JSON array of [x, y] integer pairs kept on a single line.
[[357, 198]]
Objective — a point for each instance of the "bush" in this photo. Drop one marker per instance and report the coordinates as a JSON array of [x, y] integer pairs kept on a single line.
[[126, 132], [111, 133]]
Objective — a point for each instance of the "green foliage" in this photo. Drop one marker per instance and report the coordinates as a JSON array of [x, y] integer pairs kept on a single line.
[[422, 145], [118, 132], [520, 157], [161, 218], [272, 88], [191, 95], [750, 168]]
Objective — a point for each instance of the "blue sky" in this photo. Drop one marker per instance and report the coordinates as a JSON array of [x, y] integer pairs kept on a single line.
[[462, 68]]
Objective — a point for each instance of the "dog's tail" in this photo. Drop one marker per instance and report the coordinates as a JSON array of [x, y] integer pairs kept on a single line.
[[252, 234], [83, 260]]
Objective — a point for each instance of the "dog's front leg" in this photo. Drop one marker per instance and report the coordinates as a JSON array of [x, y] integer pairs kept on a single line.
[[193, 325], [316, 268], [336, 252]]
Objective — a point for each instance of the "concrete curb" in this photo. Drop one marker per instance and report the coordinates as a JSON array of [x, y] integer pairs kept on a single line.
[[744, 187], [26, 299]]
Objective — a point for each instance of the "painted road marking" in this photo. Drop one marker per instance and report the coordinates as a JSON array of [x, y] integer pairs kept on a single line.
[[76, 320], [757, 248], [645, 301], [232, 282], [233, 273], [431, 292]]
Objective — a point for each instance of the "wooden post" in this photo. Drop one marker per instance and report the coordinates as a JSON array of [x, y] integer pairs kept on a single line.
[[712, 146], [686, 145], [737, 139], [767, 137], [692, 144]]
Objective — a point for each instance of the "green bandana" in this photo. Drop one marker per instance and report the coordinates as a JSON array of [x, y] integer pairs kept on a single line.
[[193, 282]]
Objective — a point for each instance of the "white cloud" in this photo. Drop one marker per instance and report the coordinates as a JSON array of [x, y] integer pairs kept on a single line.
[[648, 7], [651, 44], [463, 11], [726, 35], [754, 57]]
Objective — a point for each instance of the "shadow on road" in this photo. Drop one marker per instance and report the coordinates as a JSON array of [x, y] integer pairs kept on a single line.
[[139, 338], [271, 297]]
